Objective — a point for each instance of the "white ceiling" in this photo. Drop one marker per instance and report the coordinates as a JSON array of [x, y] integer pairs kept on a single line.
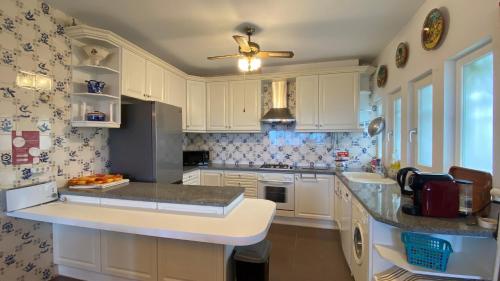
[[185, 32]]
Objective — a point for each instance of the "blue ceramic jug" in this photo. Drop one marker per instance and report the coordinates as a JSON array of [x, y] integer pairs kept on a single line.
[[95, 86]]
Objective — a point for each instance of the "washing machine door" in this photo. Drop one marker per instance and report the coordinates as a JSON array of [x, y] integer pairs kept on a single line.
[[358, 249]]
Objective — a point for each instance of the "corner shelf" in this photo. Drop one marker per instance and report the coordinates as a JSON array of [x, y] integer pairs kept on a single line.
[[460, 264], [83, 102], [96, 69], [96, 96], [95, 124]]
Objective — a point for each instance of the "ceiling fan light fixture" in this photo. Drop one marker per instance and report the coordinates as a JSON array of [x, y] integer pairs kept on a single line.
[[249, 63]]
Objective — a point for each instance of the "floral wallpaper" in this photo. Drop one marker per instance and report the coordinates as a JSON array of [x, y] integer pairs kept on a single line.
[[32, 39], [281, 144]]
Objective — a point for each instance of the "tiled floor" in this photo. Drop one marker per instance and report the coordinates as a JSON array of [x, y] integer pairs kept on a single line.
[[306, 254], [302, 254]]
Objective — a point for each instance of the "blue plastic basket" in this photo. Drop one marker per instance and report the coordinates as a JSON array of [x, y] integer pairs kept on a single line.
[[426, 251]]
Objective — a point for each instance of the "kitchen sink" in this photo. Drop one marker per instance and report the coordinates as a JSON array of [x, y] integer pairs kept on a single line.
[[365, 177]]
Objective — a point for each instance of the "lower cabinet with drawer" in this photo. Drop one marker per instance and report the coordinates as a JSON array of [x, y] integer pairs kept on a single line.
[[247, 180], [212, 178], [191, 178]]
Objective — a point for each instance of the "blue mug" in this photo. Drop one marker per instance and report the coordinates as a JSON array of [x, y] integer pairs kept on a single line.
[[95, 86]]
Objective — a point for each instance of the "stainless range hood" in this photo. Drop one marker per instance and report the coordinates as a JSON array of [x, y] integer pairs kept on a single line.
[[279, 113]]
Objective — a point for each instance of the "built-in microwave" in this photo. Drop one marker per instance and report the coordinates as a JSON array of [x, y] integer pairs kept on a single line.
[[195, 157]]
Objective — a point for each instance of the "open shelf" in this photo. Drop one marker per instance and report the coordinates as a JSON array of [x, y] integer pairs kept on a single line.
[[460, 264], [95, 124], [96, 96], [96, 69]]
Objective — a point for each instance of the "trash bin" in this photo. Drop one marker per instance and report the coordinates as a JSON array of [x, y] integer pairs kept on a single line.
[[252, 262]]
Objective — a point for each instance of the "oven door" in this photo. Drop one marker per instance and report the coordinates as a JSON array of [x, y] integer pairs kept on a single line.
[[282, 193]]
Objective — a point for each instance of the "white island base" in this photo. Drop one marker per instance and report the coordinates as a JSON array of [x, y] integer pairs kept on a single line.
[[98, 255], [98, 243]]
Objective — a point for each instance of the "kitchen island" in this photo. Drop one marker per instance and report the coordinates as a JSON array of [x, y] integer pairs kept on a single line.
[[147, 231]]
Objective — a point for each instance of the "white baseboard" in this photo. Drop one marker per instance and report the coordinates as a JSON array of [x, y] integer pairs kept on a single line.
[[87, 275], [324, 224]]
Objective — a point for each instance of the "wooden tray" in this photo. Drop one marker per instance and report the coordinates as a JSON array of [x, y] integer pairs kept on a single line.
[[99, 186]]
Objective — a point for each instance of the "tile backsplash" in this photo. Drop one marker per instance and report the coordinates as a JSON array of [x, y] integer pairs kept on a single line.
[[32, 39], [279, 143]]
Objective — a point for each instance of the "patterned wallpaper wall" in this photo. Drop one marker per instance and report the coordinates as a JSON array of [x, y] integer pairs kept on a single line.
[[32, 39], [280, 143]]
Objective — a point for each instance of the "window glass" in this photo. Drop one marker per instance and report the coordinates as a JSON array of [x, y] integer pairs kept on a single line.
[[477, 114], [396, 150], [424, 149]]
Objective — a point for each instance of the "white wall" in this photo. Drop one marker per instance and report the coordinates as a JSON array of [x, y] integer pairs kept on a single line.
[[469, 24]]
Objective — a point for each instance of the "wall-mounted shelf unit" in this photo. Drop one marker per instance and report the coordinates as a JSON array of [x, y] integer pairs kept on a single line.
[[108, 71]]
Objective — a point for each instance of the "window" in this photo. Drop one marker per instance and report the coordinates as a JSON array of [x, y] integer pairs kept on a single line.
[[396, 131], [475, 110], [422, 122]]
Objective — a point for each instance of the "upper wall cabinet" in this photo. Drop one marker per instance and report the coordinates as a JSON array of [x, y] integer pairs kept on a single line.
[[217, 106], [306, 110], [245, 105], [338, 101], [155, 84], [133, 75], [196, 106], [328, 102], [175, 93]]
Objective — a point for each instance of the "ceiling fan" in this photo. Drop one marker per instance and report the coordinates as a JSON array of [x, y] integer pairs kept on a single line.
[[249, 52]]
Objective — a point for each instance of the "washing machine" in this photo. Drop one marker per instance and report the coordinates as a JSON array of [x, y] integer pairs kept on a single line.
[[360, 241]]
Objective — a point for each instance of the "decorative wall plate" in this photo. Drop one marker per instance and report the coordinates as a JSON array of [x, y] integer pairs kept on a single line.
[[433, 29], [382, 76], [402, 53]]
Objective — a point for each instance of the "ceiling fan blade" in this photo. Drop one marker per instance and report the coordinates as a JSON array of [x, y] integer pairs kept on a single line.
[[275, 54], [243, 43], [224, 57]]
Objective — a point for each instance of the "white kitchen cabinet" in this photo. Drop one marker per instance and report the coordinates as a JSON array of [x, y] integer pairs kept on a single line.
[[191, 178], [327, 102], [247, 180], [77, 247], [314, 196], [218, 106], [155, 85], [133, 74], [196, 106], [245, 106], [212, 178], [338, 101], [129, 255], [176, 93], [306, 110]]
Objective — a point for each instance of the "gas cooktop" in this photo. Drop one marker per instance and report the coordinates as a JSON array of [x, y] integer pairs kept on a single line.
[[278, 166]]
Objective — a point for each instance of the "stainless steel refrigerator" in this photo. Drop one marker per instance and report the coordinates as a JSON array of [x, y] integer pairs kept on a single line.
[[148, 145]]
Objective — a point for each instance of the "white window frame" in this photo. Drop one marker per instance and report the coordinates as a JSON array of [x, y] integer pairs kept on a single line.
[[390, 125], [418, 84], [459, 98]]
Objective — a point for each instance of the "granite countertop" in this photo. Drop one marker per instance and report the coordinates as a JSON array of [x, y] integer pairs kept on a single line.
[[383, 203], [164, 193], [256, 168]]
